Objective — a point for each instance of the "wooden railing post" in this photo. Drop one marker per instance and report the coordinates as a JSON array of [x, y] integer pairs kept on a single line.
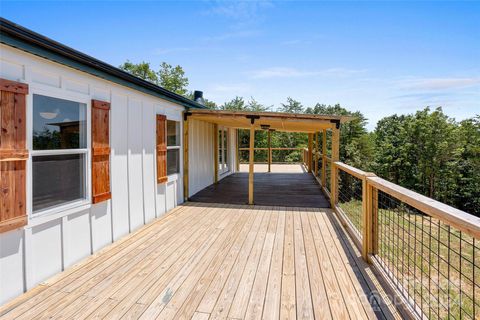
[[368, 218], [334, 171], [324, 157]]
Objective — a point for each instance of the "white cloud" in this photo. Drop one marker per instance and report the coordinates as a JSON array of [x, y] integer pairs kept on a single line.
[[161, 51], [286, 72], [438, 83], [239, 10], [235, 89]]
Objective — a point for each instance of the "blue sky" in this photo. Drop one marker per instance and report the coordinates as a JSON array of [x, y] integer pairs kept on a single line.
[[378, 57]]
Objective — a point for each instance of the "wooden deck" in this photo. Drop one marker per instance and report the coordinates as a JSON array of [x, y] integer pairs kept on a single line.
[[212, 261], [286, 185]]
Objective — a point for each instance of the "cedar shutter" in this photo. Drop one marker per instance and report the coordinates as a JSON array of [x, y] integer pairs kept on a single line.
[[100, 151], [13, 155], [161, 149]]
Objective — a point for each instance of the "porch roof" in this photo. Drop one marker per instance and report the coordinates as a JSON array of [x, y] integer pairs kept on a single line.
[[279, 121]]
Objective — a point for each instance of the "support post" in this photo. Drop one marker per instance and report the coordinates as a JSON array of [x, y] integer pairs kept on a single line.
[[324, 157], [309, 154], [185, 159], [333, 168], [251, 164], [315, 155], [215, 153], [368, 219], [269, 141], [237, 162]]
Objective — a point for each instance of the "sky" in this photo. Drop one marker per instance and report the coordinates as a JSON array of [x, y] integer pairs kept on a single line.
[[380, 58]]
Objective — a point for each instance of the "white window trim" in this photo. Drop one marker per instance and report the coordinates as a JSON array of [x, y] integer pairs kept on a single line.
[[80, 204], [174, 176], [224, 167]]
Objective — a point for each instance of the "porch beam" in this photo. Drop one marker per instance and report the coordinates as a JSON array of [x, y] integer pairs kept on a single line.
[[251, 164]]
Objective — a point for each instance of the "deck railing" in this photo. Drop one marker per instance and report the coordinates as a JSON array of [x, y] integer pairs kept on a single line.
[[278, 155], [427, 251]]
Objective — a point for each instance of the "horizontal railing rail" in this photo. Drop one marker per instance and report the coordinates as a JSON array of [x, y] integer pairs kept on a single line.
[[426, 250], [272, 155]]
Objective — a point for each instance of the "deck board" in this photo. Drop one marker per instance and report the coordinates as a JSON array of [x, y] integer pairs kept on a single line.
[[214, 261]]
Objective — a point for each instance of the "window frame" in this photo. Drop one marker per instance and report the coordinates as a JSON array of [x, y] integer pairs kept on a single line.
[[67, 207], [177, 147], [223, 166]]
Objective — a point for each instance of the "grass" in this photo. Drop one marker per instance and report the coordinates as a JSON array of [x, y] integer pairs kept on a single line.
[[434, 265]]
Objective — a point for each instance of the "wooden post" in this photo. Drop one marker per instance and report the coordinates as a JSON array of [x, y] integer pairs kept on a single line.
[[324, 157], [237, 162], [309, 154], [251, 164], [215, 153], [367, 217], [185, 159], [269, 141], [333, 168], [315, 158]]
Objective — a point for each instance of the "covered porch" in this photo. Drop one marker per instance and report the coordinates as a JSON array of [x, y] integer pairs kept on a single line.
[[291, 188], [287, 185]]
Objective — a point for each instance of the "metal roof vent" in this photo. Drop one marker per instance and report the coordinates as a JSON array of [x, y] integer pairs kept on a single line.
[[198, 97]]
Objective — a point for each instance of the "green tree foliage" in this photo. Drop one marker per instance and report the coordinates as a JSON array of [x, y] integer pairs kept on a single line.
[[172, 78], [169, 77], [141, 70], [432, 154]]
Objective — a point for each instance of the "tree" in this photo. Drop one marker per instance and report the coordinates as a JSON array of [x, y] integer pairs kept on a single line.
[[141, 70], [172, 78], [168, 77]]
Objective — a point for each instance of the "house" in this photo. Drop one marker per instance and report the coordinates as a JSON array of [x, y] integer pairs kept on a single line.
[[97, 168]]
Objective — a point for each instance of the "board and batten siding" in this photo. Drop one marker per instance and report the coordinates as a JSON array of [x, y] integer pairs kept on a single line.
[[200, 155], [51, 243]]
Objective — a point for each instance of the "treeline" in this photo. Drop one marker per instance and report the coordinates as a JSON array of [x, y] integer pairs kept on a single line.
[[427, 152]]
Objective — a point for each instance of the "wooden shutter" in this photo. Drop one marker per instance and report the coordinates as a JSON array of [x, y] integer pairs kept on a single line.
[[13, 155], [161, 149], [100, 151]]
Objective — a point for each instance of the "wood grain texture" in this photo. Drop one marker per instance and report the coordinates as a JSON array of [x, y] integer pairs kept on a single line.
[[13, 155], [214, 261], [161, 148], [100, 151]]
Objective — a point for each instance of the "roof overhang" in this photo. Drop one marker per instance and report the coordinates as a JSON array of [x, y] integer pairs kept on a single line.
[[16, 36], [288, 122]]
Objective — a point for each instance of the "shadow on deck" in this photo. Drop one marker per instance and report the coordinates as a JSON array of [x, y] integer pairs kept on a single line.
[[291, 188]]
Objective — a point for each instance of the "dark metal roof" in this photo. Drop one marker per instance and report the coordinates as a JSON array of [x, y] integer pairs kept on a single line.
[[22, 38]]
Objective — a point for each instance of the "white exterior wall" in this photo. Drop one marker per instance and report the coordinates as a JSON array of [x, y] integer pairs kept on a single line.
[[54, 241], [200, 155]]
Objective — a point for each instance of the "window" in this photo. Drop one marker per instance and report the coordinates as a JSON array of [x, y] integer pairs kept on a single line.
[[173, 147], [59, 155], [223, 165]]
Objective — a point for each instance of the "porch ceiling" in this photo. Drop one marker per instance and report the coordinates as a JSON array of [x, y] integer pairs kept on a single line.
[[275, 120]]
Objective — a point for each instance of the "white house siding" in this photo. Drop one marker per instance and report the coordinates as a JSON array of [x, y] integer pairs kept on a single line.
[[201, 164], [53, 242]]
